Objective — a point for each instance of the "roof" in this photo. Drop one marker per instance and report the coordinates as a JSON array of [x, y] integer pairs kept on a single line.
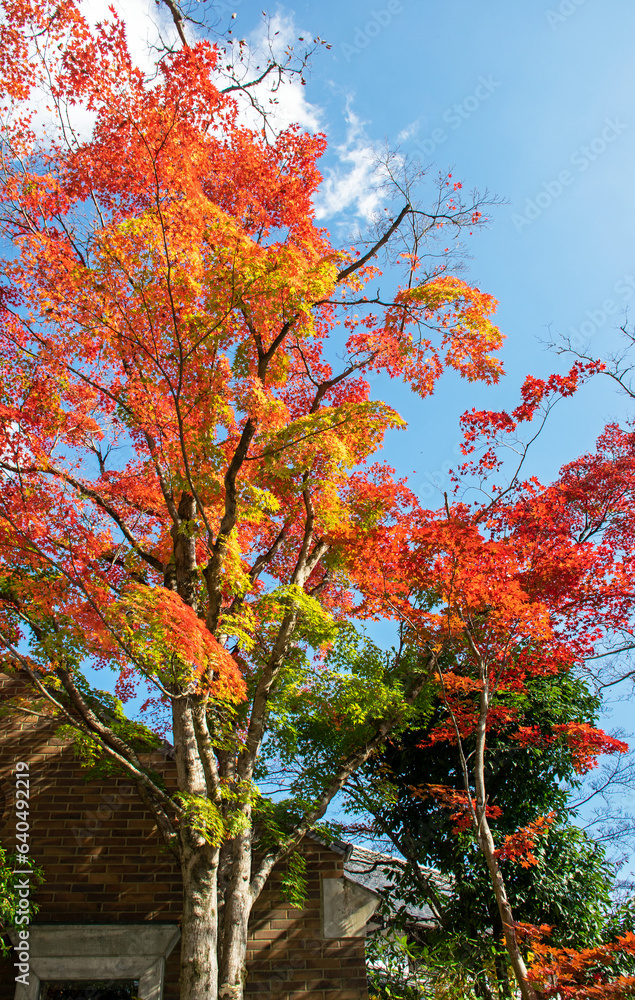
[[376, 871]]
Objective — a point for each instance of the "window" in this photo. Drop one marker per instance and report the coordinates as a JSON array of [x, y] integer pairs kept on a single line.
[[90, 989]]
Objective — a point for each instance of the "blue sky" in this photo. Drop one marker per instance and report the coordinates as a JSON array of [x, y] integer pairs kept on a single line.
[[531, 101], [511, 97]]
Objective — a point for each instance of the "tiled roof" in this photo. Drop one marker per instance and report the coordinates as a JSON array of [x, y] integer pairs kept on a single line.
[[377, 872]]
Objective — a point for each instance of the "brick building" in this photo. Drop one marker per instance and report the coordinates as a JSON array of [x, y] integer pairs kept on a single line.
[[110, 905]]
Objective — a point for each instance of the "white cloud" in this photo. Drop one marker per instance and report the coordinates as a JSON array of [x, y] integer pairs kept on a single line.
[[145, 26], [357, 184], [408, 132], [149, 28]]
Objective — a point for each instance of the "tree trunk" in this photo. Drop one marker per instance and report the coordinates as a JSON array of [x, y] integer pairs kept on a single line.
[[488, 848], [505, 991], [237, 909], [199, 868], [199, 924], [486, 844]]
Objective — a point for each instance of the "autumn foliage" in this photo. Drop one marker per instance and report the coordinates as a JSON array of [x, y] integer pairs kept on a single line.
[[522, 586], [168, 303], [588, 974], [189, 485]]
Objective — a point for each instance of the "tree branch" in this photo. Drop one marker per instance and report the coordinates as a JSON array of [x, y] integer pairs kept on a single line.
[[344, 273], [351, 764], [178, 20], [115, 748]]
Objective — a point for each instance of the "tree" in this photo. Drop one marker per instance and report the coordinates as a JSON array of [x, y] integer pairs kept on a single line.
[[186, 435], [567, 888], [588, 974], [14, 910], [507, 591]]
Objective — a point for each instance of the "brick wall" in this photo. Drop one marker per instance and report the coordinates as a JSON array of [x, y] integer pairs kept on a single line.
[[104, 862]]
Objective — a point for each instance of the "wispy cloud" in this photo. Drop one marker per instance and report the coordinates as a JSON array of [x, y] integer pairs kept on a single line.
[[409, 131], [355, 185]]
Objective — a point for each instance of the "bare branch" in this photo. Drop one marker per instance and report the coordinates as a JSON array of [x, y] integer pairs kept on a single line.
[[178, 20], [115, 748]]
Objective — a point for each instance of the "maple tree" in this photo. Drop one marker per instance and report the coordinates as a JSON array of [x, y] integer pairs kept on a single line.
[[523, 586], [595, 501], [186, 438], [585, 974], [188, 493]]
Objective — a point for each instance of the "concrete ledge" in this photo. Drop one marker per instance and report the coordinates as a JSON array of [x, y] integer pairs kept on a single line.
[[54, 940]]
